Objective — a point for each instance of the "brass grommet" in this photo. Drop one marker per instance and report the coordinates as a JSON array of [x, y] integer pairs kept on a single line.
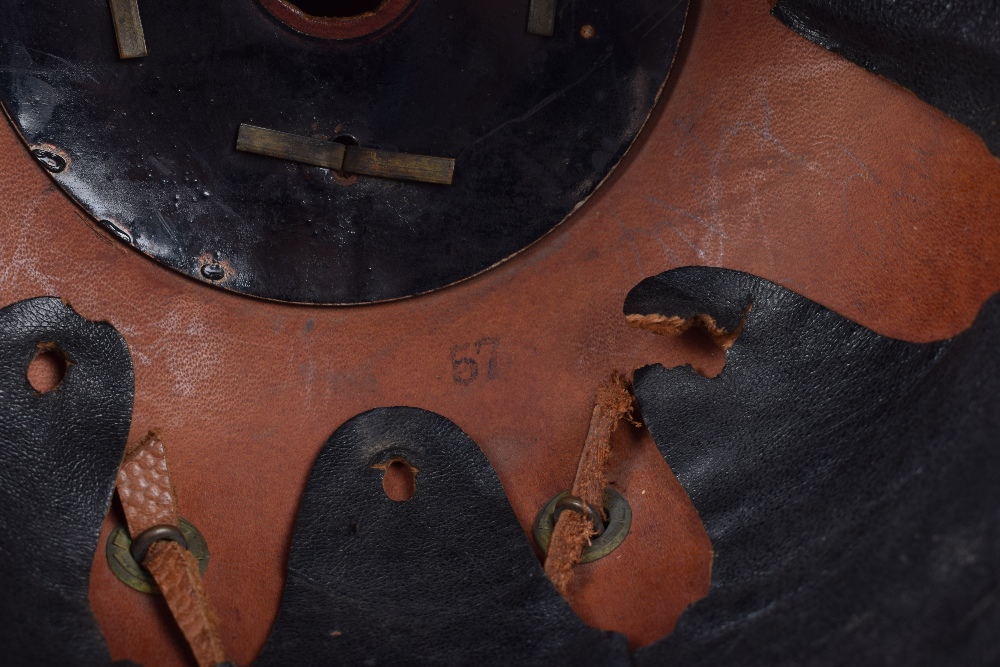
[[619, 521], [129, 572], [150, 536]]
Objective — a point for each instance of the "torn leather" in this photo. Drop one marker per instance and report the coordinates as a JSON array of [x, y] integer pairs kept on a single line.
[[847, 482]]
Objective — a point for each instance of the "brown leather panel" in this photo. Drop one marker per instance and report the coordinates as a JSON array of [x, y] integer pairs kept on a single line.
[[771, 155], [337, 28], [144, 487]]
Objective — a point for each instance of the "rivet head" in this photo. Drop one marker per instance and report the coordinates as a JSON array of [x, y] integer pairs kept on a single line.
[[116, 230], [51, 160], [213, 271]]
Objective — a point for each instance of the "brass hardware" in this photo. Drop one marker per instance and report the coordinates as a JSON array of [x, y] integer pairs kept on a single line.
[[542, 17], [128, 29], [401, 166], [587, 511], [150, 536], [619, 521], [125, 567], [349, 159], [262, 141]]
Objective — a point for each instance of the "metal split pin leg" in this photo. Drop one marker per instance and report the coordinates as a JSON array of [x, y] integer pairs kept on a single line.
[[542, 17], [128, 29], [349, 159]]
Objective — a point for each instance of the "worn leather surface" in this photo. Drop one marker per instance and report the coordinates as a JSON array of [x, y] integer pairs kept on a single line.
[[59, 453], [768, 154], [948, 53], [445, 578], [847, 482]]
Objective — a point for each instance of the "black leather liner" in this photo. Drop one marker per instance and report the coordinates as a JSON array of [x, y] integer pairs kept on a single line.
[[447, 577], [946, 52], [59, 457], [850, 483]]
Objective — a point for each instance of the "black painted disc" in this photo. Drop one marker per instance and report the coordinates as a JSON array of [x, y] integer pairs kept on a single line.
[[148, 145]]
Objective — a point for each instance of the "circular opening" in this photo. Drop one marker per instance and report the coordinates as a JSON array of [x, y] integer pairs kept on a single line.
[[47, 370], [400, 480], [338, 19], [337, 8]]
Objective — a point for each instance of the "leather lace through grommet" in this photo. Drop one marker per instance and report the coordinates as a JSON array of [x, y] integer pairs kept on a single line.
[[161, 548], [586, 510], [619, 521], [118, 550], [148, 537], [572, 534]]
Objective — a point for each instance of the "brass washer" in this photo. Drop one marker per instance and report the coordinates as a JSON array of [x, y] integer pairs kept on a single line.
[[134, 575], [619, 521]]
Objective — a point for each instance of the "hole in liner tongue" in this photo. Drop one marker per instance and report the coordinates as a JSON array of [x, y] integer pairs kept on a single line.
[[47, 370], [399, 479]]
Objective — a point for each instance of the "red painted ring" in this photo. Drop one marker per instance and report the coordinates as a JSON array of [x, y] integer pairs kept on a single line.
[[351, 27]]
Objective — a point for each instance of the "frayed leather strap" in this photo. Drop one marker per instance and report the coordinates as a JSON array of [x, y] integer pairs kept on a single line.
[[573, 530]]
